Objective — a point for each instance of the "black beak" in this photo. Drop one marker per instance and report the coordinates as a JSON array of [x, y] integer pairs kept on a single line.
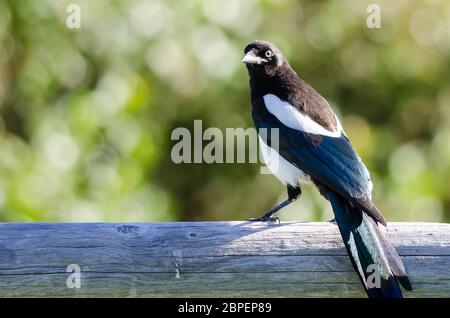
[[252, 58]]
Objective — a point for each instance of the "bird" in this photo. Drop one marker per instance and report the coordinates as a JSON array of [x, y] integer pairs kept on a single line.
[[303, 141]]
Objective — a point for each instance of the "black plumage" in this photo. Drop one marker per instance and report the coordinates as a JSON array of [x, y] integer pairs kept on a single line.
[[316, 145]]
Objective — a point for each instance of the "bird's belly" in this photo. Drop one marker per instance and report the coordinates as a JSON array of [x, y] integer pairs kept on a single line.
[[280, 167]]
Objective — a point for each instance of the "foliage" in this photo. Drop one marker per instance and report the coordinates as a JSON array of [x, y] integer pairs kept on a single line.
[[86, 114]]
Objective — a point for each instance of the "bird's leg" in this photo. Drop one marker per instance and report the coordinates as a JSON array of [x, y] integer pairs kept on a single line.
[[293, 194]]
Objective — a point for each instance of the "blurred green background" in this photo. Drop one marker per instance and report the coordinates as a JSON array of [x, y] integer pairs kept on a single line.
[[86, 114]]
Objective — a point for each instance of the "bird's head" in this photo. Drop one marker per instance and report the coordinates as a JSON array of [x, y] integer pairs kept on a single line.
[[262, 58]]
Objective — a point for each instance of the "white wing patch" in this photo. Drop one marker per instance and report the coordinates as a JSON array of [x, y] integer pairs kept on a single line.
[[280, 167], [292, 118]]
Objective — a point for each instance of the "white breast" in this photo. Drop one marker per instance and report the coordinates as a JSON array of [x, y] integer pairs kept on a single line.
[[280, 167], [292, 118]]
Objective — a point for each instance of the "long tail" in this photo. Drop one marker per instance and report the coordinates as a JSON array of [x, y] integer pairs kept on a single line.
[[377, 263]]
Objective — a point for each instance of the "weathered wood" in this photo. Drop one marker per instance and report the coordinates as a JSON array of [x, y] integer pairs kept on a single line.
[[207, 259]]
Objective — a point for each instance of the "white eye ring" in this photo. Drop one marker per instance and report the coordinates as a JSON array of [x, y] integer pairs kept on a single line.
[[268, 53]]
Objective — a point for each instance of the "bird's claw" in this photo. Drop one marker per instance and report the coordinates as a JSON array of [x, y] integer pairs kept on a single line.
[[264, 218]]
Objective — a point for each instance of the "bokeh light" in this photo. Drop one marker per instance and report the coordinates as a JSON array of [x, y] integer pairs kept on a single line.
[[86, 114]]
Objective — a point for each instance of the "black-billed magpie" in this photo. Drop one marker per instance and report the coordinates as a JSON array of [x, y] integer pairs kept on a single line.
[[312, 146]]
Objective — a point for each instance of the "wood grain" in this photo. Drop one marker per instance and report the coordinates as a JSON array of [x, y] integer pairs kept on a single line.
[[207, 259]]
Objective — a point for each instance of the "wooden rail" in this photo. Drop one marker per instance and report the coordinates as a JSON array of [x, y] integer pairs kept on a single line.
[[205, 259]]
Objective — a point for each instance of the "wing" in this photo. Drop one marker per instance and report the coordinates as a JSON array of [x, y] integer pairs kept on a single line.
[[327, 158]]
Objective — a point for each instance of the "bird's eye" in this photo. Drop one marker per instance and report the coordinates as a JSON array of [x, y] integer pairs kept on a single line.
[[268, 53]]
